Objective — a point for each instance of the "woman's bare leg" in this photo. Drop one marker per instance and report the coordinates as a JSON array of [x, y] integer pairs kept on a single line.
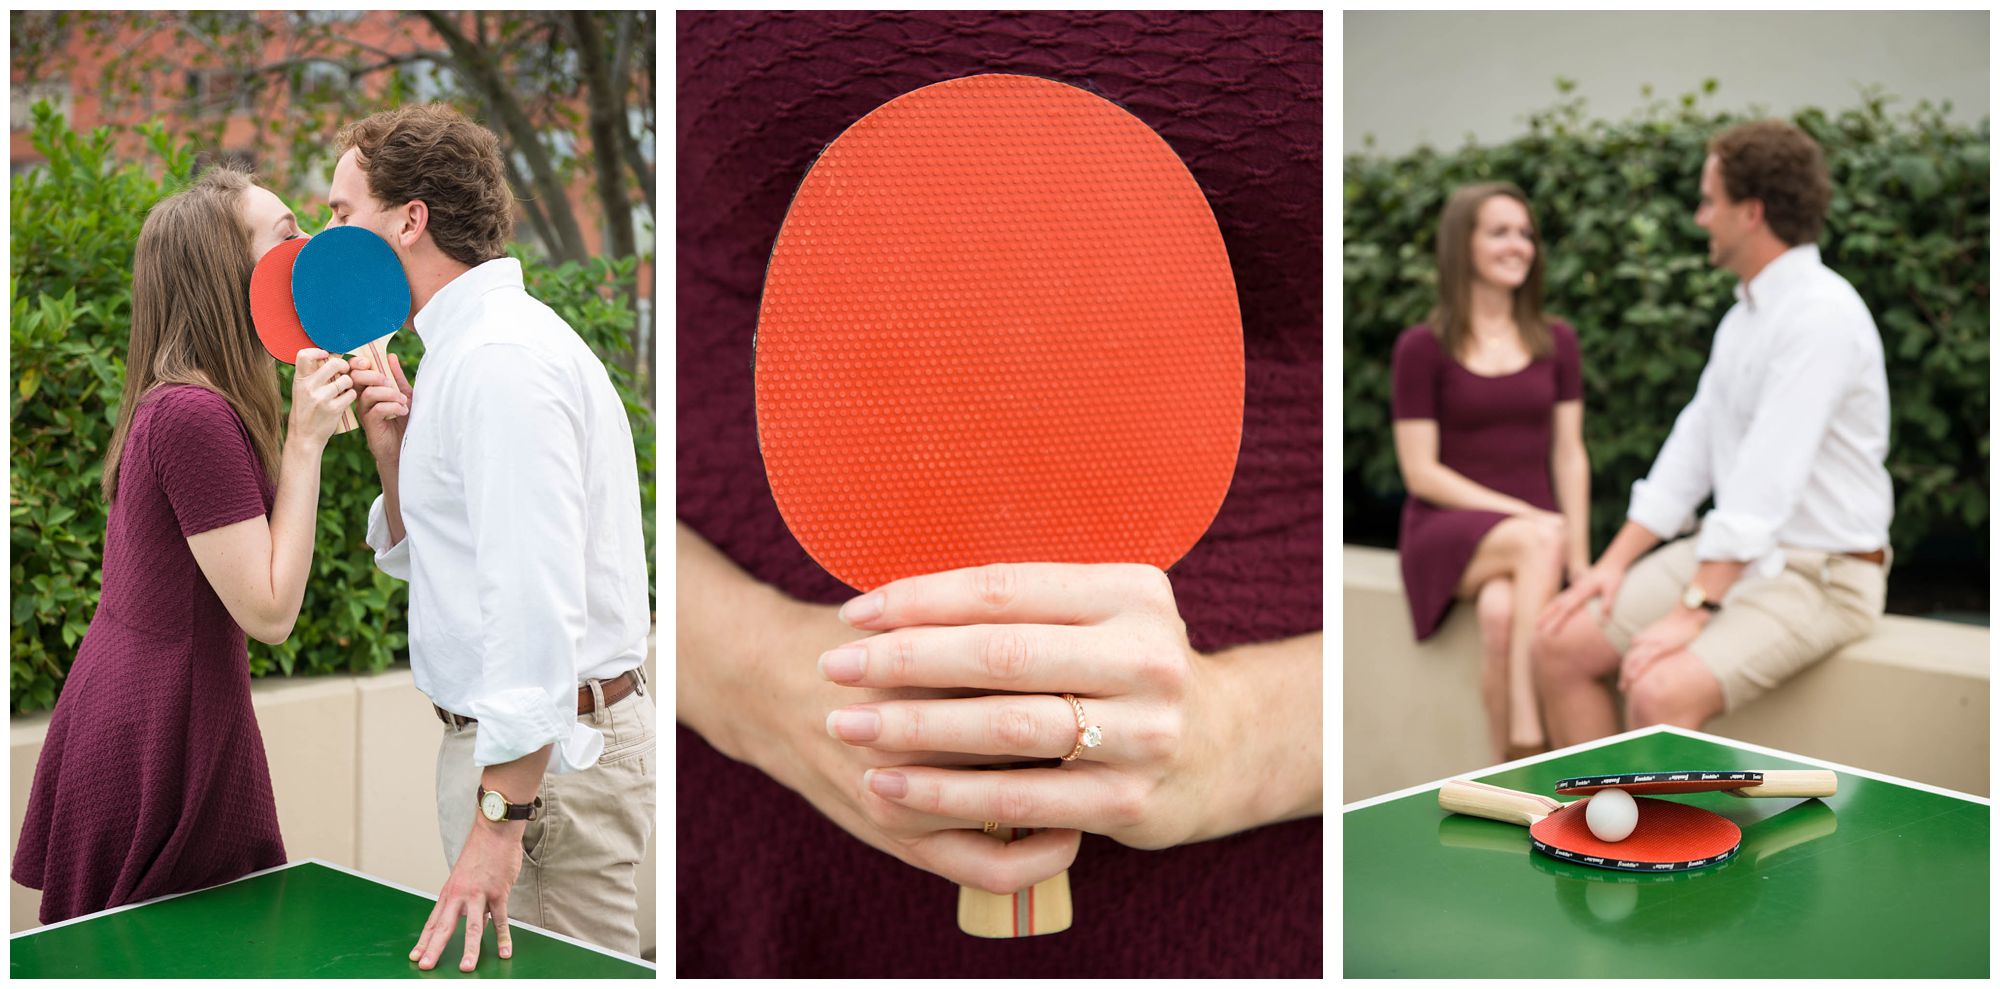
[[1496, 621], [1528, 551]]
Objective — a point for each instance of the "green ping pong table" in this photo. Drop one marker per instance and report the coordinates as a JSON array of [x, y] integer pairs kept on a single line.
[[308, 919], [1888, 878]]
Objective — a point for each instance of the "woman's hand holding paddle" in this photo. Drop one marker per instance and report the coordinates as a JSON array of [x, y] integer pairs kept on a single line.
[[1173, 747], [321, 390]]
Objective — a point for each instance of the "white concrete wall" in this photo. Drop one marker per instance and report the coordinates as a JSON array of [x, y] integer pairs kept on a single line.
[[1415, 78], [1912, 700], [353, 769]]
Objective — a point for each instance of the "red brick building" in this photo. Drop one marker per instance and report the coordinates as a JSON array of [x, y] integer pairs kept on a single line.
[[190, 98]]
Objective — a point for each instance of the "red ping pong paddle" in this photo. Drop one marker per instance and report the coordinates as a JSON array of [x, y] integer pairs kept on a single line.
[[1736, 782], [998, 325], [1669, 837]]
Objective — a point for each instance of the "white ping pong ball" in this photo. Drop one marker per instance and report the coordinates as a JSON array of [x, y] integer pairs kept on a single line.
[[1611, 814]]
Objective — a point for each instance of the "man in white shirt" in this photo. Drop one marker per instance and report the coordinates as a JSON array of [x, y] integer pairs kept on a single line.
[[510, 502], [1789, 430]]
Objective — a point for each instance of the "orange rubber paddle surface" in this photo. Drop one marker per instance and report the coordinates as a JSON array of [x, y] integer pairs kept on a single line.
[[1669, 837], [999, 324], [271, 308]]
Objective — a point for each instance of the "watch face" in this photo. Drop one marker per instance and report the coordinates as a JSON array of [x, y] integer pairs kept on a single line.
[[1692, 597], [492, 805]]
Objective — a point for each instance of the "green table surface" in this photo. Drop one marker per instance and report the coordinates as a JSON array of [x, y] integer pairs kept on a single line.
[[304, 920], [1881, 880]]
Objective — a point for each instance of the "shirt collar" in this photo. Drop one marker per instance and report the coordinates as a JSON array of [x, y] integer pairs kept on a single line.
[[1783, 271], [443, 315]]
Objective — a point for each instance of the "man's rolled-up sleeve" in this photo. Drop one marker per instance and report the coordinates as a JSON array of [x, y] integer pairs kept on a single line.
[[523, 449], [393, 560]]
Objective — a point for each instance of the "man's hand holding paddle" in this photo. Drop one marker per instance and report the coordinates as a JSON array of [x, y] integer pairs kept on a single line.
[[385, 404], [385, 396]]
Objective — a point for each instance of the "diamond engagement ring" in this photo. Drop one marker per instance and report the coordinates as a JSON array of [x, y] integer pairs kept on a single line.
[[1087, 736]]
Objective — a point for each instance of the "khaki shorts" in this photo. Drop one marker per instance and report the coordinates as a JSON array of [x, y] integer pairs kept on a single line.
[[580, 862], [1769, 628]]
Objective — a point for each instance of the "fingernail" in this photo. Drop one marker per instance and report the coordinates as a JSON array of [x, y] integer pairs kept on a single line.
[[888, 783], [855, 725], [867, 607], [843, 664]]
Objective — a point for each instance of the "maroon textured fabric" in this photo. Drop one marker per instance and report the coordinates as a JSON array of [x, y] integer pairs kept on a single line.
[[153, 779], [766, 885], [1497, 431]]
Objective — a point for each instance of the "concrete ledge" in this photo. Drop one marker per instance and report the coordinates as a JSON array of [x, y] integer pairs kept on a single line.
[[353, 769], [1911, 700]]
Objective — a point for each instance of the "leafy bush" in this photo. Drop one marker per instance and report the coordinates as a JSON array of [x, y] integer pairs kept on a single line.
[[1627, 266], [74, 225]]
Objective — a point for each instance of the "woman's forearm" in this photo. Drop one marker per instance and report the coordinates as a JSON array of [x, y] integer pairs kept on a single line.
[[725, 624], [1447, 488], [293, 519], [1270, 748], [1572, 476]]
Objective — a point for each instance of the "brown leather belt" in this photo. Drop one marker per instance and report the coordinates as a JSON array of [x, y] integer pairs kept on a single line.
[[615, 690], [1874, 556]]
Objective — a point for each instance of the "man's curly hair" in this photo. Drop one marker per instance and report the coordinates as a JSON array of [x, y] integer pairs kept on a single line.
[[434, 153], [1779, 164]]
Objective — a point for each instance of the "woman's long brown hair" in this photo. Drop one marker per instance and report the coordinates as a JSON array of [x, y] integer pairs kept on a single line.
[[191, 315], [1451, 320]]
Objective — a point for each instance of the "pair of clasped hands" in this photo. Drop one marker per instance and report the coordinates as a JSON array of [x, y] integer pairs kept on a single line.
[[920, 683]]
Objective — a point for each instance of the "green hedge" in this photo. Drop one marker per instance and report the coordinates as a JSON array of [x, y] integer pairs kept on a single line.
[[1627, 266], [74, 225]]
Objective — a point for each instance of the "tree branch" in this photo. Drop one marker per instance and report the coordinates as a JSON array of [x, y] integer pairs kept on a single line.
[[607, 140], [484, 76], [531, 206]]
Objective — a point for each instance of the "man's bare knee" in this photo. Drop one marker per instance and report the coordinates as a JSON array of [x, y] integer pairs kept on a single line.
[[1571, 653]]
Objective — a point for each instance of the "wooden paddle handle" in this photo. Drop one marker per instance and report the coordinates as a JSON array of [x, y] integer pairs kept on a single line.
[[1793, 783], [1042, 909], [1495, 803]]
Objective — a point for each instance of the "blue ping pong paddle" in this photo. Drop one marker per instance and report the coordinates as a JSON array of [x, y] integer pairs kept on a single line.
[[349, 289]]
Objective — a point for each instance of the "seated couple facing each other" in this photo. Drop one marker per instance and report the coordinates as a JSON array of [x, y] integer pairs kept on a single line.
[[1788, 431]]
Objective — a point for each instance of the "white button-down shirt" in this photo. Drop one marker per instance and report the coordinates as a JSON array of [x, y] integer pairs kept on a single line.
[[1789, 426], [520, 502]]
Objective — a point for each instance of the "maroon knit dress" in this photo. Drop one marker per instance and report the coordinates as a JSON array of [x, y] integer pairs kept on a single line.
[[1497, 431], [153, 778], [766, 885]]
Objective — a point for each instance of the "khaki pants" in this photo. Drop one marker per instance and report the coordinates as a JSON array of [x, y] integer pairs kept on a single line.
[[1769, 628], [580, 862]]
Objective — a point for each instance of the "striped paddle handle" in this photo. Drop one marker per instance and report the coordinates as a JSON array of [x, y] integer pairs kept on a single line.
[[350, 419], [1043, 908]]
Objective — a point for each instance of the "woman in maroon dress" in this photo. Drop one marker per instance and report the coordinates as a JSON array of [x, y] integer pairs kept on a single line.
[[1488, 406], [152, 779], [790, 863]]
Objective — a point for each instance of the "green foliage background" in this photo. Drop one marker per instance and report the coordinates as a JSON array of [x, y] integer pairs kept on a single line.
[[74, 225], [1614, 202]]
